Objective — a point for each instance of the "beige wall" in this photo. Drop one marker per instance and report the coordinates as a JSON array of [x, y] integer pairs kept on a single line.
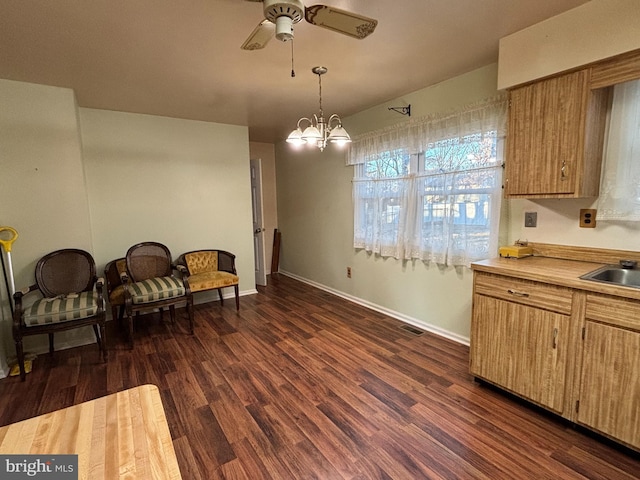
[[316, 217], [183, 183], [267, 154], [43, 194], [559, 222], [596, 30], [314, 190], [102, 181], [315, 214]]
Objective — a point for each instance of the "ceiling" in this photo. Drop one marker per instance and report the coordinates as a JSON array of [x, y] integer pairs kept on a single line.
[[182, 58]]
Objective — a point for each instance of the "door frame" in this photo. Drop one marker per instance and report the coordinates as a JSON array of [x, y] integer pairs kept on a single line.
[[257, 214]]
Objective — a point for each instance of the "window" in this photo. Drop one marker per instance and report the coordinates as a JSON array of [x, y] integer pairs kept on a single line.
[[440, 203], [620, 185]]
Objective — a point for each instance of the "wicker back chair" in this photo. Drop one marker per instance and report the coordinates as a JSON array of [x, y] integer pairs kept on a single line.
[[71, 298], [149, 283]]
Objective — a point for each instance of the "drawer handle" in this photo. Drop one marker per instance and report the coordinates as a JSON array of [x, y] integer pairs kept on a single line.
[[517, 293], [555, 338]]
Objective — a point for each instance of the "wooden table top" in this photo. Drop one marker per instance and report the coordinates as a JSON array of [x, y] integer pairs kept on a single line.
[[123, 435]]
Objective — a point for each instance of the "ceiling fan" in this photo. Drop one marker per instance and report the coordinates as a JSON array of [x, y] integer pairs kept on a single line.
[[281, 15]]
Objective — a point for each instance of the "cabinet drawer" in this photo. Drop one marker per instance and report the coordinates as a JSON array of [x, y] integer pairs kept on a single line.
[[526, 292], [614, 310]]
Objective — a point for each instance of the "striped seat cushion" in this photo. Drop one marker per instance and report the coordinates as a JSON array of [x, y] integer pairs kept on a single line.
[[61, 309], [159, 288]]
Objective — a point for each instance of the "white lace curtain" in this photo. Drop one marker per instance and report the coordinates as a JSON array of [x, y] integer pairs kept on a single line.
[[620, 185], [446, 209], [416, 134]]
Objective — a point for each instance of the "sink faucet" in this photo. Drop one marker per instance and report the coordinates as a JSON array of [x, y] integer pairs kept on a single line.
[[628, 263]]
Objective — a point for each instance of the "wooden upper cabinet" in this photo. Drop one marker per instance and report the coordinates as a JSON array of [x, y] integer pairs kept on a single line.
[[555, 138]]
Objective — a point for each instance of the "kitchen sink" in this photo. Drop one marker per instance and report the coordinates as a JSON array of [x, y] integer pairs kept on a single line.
[[616, 275]]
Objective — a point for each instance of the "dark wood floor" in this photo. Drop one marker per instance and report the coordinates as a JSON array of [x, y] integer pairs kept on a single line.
[[301, 384]]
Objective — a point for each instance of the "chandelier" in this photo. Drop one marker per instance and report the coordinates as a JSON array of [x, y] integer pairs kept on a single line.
[[319, 131]]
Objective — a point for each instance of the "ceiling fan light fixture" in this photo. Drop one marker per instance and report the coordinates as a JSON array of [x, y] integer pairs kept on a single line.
[[284, 28], [283, 14]]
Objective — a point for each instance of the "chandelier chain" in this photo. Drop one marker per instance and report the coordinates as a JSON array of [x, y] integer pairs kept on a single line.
[[320, 92]]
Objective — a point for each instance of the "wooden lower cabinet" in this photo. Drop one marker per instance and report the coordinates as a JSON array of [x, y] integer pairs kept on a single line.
[[520, 348], [587, 356], [609, 396]]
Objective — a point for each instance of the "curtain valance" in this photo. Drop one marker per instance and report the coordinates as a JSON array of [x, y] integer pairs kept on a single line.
[[416, 134]]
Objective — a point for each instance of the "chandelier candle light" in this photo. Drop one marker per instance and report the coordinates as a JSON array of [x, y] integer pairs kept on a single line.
[[319, 131]]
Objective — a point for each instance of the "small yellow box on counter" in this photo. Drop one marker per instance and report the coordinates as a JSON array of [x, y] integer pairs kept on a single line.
[[515, 251]]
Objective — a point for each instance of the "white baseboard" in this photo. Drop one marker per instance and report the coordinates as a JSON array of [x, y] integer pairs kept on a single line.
[[378, 308], [199, 299]]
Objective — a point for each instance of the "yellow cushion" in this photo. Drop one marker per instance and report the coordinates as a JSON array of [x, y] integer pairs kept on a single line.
[[212, 280], [116, 297], [200, 262], [121, 266]]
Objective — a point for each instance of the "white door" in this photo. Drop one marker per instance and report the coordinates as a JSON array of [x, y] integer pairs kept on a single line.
[[258, 228]]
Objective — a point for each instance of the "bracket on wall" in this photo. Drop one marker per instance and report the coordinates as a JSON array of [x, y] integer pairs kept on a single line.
[[402, 110]]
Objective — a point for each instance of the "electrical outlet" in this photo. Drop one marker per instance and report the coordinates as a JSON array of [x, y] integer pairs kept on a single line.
[[530, 219], [588, 217], [348, 272]]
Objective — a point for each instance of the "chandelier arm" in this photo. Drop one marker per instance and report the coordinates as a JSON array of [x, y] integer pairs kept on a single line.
[[307, 119], [333, 117]]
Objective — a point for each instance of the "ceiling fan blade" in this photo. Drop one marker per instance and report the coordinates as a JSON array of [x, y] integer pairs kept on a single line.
[[341, 21], [260, 36]]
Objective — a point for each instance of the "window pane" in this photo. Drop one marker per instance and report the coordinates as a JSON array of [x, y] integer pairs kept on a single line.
[[465, 153], [390, 164]]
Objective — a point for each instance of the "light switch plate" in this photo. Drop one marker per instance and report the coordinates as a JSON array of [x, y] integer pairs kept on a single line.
[[530, 219]]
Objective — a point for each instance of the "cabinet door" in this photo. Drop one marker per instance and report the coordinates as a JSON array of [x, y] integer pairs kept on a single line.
[[546, 133], [520, 348], [610, 387]]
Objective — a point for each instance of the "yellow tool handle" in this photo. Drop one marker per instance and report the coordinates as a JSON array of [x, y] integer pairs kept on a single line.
[[7, 243]]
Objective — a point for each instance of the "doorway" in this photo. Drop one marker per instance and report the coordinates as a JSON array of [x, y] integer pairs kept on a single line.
[[258, 222]]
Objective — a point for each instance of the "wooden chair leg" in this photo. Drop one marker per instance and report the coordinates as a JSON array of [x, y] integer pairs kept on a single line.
[[20, 356], [130, 325], [51, 343], [101, 340], [172, 314], [235, 289], [190, 313], [103, 344], [221, 299], [98, 339]]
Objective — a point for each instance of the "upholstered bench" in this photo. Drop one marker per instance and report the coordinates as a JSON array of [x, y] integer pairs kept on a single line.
[[211, 270]]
